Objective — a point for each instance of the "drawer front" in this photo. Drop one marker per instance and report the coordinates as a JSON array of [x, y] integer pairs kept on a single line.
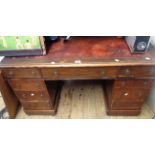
[[33, 96], [126, 105], [80, 73], [137, 71], [144, 71], [36, 105], [133, 84], [27, 85], [126, 72], [21, 73], [122, 95], [129, 95]]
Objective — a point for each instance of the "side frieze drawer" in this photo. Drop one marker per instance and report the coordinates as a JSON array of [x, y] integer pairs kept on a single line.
[[21, 73]]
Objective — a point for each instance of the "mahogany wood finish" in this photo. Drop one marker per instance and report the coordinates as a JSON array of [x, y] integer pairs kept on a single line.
[[130, 76]]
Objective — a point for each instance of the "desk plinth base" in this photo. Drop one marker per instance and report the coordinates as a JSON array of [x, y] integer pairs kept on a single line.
[[114, 112], [40, 112]]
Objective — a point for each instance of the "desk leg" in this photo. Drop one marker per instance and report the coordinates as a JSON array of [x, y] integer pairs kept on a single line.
[[9, 98], [126, 97]]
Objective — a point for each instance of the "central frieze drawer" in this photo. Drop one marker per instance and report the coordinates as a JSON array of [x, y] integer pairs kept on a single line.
[[80, 73]]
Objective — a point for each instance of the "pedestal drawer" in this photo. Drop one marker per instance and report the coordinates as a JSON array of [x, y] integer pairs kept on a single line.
[[27, 85], [37, 105], [129, 95], [118, 105], [33, 96]]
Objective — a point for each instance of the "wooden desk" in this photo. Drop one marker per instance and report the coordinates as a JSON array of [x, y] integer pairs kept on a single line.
[[127, 78]]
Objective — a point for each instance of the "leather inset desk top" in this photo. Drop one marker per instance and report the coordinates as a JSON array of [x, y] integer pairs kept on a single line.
[[82, 52]]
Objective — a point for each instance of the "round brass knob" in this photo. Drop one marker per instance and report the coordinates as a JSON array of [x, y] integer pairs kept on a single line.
[[55, 73], [33, 72], [24, 95], [145, 83], [123, 83], [10, 73], [103, 72], [37, 84], [127, 71], [152, 71], [139, 94]]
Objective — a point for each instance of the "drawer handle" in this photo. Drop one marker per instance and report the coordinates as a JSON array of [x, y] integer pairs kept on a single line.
[[37, 84], [126, 94], [11, 73], [32, 94], [152, 71], [24, 95], [103, 72], [145, 83], [55, 73], [33, 72], [123, 83], [139, 94], [127, 71]]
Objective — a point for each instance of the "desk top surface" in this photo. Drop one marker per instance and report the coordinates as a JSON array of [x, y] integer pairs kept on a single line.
[[83, 52]]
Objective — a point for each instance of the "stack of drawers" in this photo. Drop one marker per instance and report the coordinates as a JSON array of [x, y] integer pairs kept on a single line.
[[125, 97], [32, 91]]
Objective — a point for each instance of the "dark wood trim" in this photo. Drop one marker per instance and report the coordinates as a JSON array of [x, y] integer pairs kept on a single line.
[[11, 102], [21, 52]]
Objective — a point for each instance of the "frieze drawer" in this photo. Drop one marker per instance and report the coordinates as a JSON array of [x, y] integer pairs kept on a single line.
[[21, 73], [137, 72], [80, 73]]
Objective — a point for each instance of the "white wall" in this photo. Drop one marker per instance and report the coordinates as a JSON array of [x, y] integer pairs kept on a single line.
[[151, 99]]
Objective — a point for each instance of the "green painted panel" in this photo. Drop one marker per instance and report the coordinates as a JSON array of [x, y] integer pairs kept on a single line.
[[19, 42]]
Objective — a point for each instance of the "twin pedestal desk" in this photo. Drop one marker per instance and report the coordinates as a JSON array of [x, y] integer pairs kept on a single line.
[[35, 82]]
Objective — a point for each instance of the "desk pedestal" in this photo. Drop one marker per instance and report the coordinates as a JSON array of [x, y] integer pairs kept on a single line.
[[126, 97], [36, 95]]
